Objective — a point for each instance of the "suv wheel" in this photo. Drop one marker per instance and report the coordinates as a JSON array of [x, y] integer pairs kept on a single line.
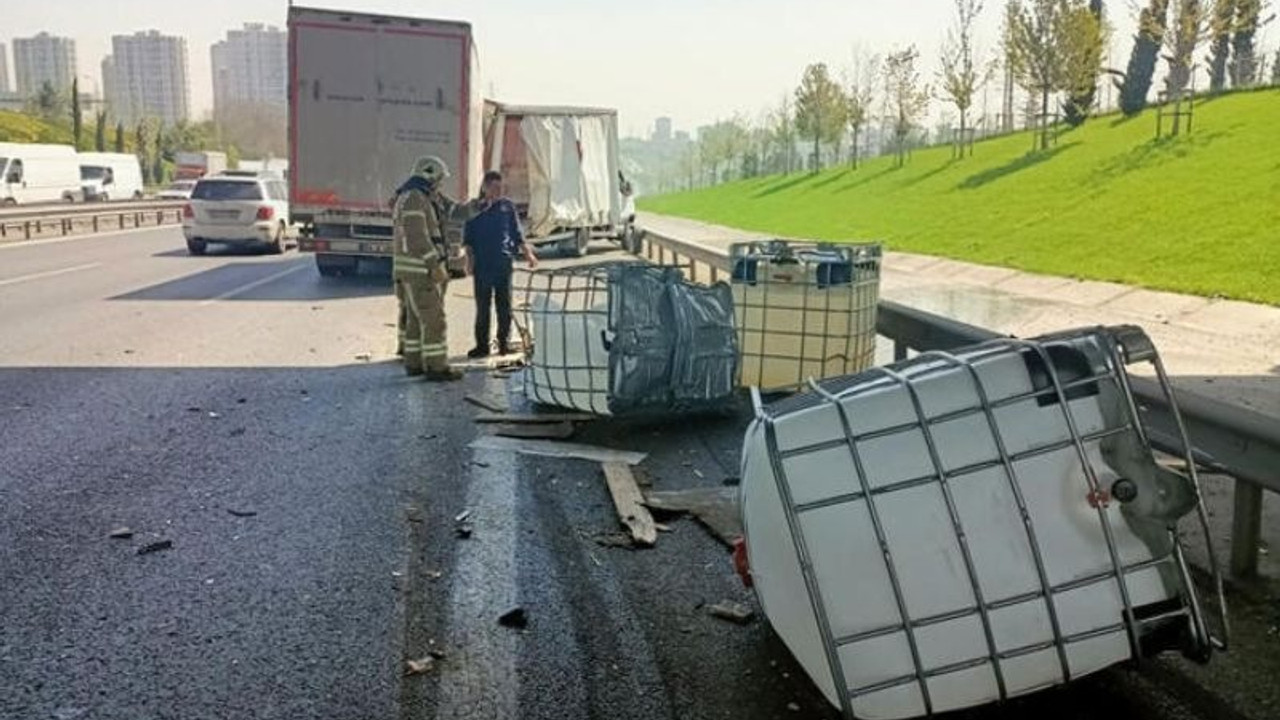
[[196, 247]]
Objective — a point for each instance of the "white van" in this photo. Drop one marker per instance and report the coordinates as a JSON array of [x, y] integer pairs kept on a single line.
[[110, 176], [31, 173]]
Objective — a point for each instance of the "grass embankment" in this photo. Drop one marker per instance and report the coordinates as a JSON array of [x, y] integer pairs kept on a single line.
[[1196, 214]]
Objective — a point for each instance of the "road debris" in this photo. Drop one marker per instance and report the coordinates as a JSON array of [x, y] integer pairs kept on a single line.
[[532, 419], [364, 357], [157, 546], [121, 533], [413, 514], [214, 415], [242, 513], [514, 618], [715, 508], [629, 503], [419, 667], [731, 611], [485, 404], [434, 574], [560, 431], [614, 539], [480, 463], [462, 524], [432, 436], [547, 448], [237, 432], [793, 707], [194, 409], [437, 654]]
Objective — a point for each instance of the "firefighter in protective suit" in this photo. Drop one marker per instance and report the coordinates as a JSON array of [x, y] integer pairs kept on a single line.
[[420, 257]]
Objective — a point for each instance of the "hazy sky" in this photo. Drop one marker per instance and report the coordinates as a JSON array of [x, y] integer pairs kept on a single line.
[[694, 60]]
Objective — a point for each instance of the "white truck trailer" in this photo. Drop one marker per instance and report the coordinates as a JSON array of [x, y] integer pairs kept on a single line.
[[561, 170], [368, 95]]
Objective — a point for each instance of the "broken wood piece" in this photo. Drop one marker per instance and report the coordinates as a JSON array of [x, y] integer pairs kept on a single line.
[[715, 508], [528, 419], [558, 431], [484, 404], [419, 667], [549, 448], [629, 503], [731, 611]]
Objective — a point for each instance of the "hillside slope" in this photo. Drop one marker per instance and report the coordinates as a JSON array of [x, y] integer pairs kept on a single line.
[[1197, 214]]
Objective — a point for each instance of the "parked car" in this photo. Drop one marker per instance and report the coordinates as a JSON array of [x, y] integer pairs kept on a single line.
[[238, 211], [33, 173], [178, 190], [110, 176]]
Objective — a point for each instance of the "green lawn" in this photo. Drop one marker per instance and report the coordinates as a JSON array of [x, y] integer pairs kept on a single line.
[[1197, 214]]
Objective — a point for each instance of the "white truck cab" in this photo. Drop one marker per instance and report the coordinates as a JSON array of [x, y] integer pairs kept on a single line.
[[34, 173]]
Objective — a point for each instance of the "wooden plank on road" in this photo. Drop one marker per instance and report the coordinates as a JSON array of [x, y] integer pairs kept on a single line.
[[629, 503]]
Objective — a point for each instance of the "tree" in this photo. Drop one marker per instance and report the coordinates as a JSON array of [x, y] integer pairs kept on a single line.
[[157, 169], [1083, 38], [144, 156], [820, 109], [1224, 17], [960, 77], [77, 120], [1243, 67], [1034, 51], [907, 99], [1275, 69], [48, 103], [120, 137], [100, 132], [233, 157], [861, 100], [784, 134], [1142, 60]]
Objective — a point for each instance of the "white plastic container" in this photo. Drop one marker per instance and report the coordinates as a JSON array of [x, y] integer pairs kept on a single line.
[[804, 310], [947, 532], [622, 338]]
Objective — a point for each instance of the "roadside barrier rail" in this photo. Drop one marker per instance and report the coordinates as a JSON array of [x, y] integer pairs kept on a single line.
[[60, 220], [1228, 439]]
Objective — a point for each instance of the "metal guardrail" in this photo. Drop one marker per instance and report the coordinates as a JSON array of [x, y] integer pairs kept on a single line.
[[1227, 439], [43, 222]]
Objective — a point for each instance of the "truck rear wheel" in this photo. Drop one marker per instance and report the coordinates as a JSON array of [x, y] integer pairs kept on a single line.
[[577, 245], [334, 265]]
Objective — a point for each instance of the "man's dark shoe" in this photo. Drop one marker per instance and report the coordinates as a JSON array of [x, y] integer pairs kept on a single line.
[[450, 375], [477, 353]]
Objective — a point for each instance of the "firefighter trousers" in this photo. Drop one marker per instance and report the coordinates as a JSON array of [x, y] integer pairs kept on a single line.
[[421, 290]]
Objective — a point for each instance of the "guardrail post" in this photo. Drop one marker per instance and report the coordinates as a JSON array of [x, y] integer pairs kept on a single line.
[[137, 219], [26, 229], [1246, 530], [715, 274], [899, 351]]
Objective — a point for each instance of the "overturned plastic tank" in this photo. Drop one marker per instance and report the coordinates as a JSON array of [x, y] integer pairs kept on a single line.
[[966, 527], [625, 338], [805, 310]]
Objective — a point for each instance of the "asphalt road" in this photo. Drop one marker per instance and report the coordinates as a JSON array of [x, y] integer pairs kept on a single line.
[[253, 416]]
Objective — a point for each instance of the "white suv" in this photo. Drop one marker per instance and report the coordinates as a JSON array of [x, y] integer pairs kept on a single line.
[[237, 210]]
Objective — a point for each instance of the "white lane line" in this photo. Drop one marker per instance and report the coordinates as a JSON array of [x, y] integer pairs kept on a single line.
[[17, 244], [48, 274], [256, 284]]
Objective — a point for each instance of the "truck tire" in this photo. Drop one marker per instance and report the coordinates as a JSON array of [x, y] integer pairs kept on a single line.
[[577, 245], [330, 265]]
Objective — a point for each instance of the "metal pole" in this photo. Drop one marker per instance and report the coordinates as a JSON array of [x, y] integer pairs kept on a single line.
[[1246, 530]]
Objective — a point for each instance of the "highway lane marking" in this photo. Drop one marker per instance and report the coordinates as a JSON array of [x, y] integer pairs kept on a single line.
[[16, 244], [256, 284], [48, 274]]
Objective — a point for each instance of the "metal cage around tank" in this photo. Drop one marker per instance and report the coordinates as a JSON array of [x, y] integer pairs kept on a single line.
[[804, 310], [624, 338], [926, 477]]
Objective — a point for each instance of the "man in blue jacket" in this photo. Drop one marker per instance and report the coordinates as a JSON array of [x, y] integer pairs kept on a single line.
[[492, 240]]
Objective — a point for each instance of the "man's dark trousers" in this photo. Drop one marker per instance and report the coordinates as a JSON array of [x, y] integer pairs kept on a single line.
[[493, 288]]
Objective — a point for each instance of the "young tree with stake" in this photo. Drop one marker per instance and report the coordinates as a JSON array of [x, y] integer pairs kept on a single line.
[[961, 78], [907, 100]]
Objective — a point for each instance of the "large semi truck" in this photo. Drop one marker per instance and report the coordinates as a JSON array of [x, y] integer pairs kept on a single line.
[[368, 94], [561, 170]]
